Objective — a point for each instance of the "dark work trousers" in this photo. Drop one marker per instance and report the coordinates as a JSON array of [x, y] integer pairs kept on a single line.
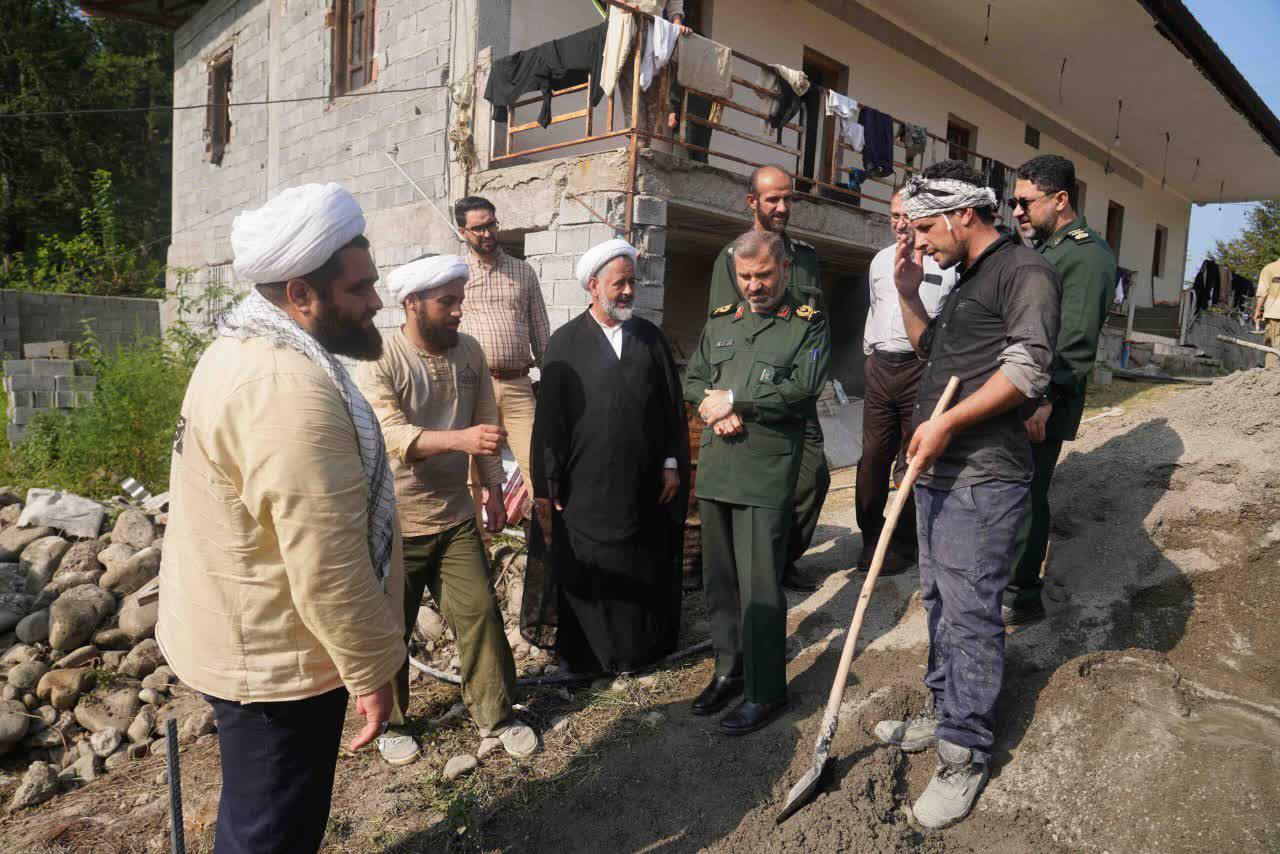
[[743, 549], [277, 772], [1032, 542], [966, 540], [812, 484], [892, 380]]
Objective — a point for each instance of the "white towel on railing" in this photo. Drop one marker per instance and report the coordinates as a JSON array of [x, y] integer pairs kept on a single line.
[[845, 110], [705, 66], [660, 37]]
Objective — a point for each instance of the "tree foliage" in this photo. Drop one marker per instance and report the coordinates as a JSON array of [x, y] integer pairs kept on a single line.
[[53, 58], [1256, 246]]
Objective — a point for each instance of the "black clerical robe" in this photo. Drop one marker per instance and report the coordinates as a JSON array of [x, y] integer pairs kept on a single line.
[[605, 593]]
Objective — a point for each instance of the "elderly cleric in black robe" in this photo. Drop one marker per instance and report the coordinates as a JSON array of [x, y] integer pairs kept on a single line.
[[610, 476]]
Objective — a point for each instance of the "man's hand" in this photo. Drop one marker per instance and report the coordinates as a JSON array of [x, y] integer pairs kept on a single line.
[[376, 708], [670, 486], [495, 511], [482, 440], [929, 441], [730, 425], [715, 405], [908, 267], [1035, 424], [672, 121]]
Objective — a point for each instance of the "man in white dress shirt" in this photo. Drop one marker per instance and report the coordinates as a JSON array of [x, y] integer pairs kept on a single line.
[[892, 373]]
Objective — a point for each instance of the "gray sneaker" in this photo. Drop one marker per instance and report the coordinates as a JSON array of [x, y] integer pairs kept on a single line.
[[911, 735], [397, 746], [954, 788]]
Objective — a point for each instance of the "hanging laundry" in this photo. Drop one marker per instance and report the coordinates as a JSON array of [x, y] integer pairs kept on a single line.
[[1124, 280], [914, 139], [845, 110], [544, 68], [792, 86], [619, 37], [995, 174], [705, 66], [660, 37], [1206, 284], [877, 154]]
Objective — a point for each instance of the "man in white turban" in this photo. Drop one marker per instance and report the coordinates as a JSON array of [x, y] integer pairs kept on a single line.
[[283, 576], [433, 395], [609, 473]]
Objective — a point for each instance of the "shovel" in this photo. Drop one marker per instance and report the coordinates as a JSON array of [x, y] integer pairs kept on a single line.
[[808, 784]]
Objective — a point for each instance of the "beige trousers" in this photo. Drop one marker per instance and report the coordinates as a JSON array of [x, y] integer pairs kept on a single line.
[[515, 414]]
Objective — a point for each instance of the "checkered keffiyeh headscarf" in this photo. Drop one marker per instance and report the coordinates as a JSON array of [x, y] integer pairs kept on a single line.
[[256, 317], [923, 197]]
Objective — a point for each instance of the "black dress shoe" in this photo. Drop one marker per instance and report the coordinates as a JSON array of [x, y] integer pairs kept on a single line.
[[749, 717], [717, 694], [794, 579]]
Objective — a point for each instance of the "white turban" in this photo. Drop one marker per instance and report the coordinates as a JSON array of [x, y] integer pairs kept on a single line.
[[294, 233], [598, 256], [425, 274], [923, 197]]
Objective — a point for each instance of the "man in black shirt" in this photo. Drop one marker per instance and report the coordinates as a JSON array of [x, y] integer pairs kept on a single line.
[[996, 332]]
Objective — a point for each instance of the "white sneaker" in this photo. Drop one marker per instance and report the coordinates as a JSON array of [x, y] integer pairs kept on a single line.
[[397, 747], [518, 739], [954, 788]]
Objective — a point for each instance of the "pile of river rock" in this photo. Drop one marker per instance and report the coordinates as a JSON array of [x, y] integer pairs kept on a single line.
[[85, 689]]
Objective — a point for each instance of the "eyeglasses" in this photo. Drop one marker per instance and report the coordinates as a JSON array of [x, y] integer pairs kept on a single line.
[[899, 218], [1025, 204], [486, 228]]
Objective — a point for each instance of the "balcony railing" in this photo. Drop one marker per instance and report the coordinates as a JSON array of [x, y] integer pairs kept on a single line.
[[733, 144]]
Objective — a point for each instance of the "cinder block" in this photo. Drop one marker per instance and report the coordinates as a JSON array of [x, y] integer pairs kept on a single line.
[[29, 383], [598, 233], [570, 294], [65, 399], [556, 267], [651, 268], [573, 212], [84, 398], [650, 210], [540, 243], [21, 415], [22, 398], [15, 434], [43, 399], [653, 240], [17, 367], [53, 367], [575, 239], [47, 350], [83, 383], [649, 295]]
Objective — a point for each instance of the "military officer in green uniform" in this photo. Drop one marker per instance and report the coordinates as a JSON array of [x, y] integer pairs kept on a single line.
[[770, 198], [1044, 210], [760, 365]]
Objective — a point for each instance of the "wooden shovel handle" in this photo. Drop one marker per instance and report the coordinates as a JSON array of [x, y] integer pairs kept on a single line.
[[890, 522]]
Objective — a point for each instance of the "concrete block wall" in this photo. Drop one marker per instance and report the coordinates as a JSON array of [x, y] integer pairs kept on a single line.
[[283, 50], [36, 385], [28, 317], [554, 254]]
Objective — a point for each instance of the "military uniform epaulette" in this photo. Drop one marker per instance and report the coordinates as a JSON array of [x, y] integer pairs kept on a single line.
[[724, 309], [807, 312], [1080, 235]]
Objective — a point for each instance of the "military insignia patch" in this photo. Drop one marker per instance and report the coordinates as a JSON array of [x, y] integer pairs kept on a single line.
[[784, 311], [738, 315], [728, 342], [806, 312], [724, 309], [766, 375], [1080, 235], [467, 377]]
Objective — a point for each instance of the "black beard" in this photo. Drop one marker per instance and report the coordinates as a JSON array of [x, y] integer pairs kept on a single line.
[[343, 336], [439, 337]]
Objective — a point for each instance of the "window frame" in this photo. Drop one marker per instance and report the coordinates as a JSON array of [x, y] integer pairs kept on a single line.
[[352, 28], [1159, 251], [217, 117]]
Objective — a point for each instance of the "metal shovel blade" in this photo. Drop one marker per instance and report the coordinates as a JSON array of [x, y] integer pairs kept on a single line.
[[804, 788]]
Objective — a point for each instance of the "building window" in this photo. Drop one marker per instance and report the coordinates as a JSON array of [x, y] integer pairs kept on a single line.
[[963, 139], [353, 31], [217, 117], [1157, 257], [1115, 226], [1032, 136]]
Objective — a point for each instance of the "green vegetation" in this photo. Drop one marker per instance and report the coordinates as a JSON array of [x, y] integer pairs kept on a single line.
[[1258, 244], [55, 60], [128, 429]]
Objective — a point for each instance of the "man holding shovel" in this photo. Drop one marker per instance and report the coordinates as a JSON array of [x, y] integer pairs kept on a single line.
[[996, 333]]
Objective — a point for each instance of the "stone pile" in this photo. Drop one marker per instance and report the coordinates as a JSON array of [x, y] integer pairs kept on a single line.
[[84, 688]]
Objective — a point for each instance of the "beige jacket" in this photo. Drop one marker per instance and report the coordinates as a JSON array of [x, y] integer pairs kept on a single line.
[[267, 589], [410, 391]]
